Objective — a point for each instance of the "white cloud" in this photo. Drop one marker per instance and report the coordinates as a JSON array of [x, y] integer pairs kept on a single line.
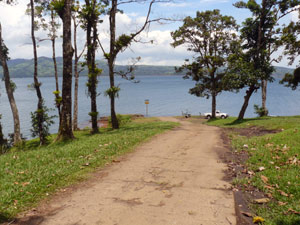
[[295, 15], [175, 4]]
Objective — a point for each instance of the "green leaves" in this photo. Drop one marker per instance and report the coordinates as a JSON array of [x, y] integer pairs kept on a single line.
[[58, 6], [213, 37], [292, 80], [112, 92]]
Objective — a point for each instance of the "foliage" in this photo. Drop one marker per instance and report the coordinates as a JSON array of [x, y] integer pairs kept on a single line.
[[58, 6], [89, 12], [3, 142], [113, 92], [40, 171], [260, 111], [46, 122], [290, 80], [212, 37], [291, 41], [278, 154]]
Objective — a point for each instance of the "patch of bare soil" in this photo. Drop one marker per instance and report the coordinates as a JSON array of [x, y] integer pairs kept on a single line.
[[244, 195], [253, 131], [176, 178]]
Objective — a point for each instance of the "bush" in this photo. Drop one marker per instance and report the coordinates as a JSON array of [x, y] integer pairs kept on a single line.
[[260, 111], [122, 119]]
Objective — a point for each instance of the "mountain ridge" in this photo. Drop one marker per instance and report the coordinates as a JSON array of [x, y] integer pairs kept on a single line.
[[21, 68]]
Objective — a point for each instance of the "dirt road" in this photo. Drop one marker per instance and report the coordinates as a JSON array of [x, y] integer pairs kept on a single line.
[[174, 179]]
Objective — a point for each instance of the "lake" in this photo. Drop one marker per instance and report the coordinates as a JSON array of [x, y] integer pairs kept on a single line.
[[168, 96]]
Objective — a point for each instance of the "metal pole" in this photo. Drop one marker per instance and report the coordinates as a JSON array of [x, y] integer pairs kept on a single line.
[[146, 110]]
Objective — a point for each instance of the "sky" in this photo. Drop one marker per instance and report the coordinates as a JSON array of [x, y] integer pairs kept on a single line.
[[16, 31]]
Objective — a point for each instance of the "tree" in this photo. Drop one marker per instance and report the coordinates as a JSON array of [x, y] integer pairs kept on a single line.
[[76, 71], [64, 10], [10, 86], [264, 39], [120, 44], [212, 37], [52, 35], [39, 114], [292, 50], [43, 9], [90, 14]]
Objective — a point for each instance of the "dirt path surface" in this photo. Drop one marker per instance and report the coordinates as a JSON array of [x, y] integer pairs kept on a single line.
[[174, 179]]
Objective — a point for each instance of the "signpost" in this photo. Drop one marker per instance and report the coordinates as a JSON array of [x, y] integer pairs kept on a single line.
[[146, 103]]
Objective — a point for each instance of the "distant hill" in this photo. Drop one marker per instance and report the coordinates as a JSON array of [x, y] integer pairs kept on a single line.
[[24, 68]]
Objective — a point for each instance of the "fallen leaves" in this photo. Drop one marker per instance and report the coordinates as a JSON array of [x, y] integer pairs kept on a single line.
[[292, 211], [283, 193], [264, 179], [282, 203], [261, 200], [247, 214]]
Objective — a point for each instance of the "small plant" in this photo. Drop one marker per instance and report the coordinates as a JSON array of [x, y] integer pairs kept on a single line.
[[47, 121], [260, 111], [3, 142]]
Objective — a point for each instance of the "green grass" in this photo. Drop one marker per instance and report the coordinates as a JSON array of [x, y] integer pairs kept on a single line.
[[29, 175], [274, 152]]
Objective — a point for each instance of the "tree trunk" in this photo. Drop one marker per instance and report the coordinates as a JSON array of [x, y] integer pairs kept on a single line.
[[111, 62], [261, 46], [249, 92], [75, 108], [2, 140], [57, 103], [65, 127], [37, 85], [91, 39], [264, 84], [213, 105], [9, 91]]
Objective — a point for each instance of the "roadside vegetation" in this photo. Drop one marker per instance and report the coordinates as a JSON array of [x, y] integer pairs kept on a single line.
[[273, 165], [34, 172]]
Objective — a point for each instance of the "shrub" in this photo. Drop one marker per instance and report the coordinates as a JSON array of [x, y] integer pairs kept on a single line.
[[260, 111]]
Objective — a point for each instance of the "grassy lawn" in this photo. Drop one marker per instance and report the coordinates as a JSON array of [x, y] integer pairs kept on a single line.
[[31, 174], [279, 155]]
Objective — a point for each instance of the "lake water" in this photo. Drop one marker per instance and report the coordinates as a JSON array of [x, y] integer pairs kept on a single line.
[[168, 96]]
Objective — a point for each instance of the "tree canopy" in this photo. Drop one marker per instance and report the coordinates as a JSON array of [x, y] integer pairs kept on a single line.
[[212, 37]]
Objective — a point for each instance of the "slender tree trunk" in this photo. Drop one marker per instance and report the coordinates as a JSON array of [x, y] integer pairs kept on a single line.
[[57, 103], [9, 91], [264, 84], [65, 128], [76, 75], [91, 38], [37, 85], [2, 140], [111, 62], [249, 92], [213, 105], [94, 80], [213, 95], [261, 47]]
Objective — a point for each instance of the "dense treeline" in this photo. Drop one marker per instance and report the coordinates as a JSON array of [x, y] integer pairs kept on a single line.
[[22, 68]]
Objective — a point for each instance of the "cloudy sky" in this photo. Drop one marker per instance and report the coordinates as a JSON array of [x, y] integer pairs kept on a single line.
[[16, 30]]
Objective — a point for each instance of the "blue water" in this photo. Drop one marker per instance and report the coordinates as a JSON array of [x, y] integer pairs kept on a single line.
[[168, 96]]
